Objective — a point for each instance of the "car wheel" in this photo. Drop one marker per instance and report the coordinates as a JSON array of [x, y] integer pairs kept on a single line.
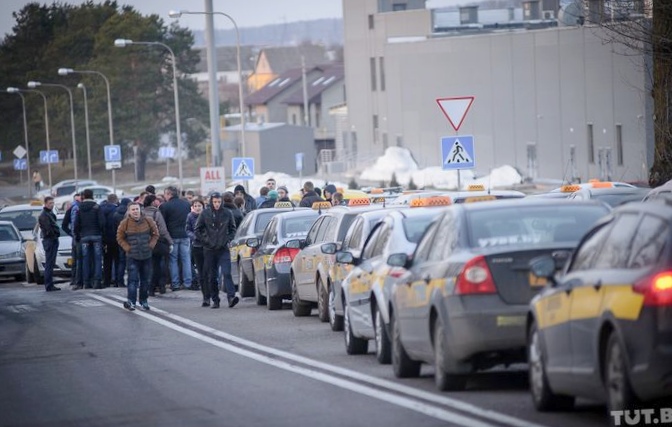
[[444, 381], [402, 365], [299, 308], [272, 303], [620, 395], [353, 344], [29, 275], [244, 286], [383, 344], [258, 297], [39, 278], [335, 320], [542, 396], [322, 302]]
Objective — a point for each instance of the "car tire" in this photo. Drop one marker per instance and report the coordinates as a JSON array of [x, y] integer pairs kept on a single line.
[[39, 277], [322, 302], [258, 297], [620, 395], [383, 344], [299, 308], [353, 344], [245, 287], [444, 381], [272, 303], [402, 365], [543, 397], [29, 275], [335, 320]]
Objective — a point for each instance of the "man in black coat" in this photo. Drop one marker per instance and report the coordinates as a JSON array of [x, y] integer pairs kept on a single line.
[[250, 203], [50, 235], [175, 212], [110, 245], [67, 225], [89, 228], [215, 228], [227, 203], [309, 195]]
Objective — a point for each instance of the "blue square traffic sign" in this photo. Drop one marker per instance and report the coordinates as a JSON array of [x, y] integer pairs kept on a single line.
[[20, 164], [457, 152], [242, 167], [112, 153], [50, 156]]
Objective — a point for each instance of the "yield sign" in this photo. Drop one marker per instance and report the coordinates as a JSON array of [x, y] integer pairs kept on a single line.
[[455, 109]]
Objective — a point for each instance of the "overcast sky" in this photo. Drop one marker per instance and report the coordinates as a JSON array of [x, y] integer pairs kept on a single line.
[[247, 13]]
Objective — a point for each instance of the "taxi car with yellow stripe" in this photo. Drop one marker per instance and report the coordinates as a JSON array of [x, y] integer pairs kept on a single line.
[[274, 252], [475, 193], [363, 289], [253, 225], [602, 329], [462, 302], [613, 196], [310, 269]]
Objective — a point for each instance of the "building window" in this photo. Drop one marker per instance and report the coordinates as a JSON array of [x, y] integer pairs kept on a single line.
[[381, 64], [373, 74], [370, 22], [375, 128], [619, 144], [400, 141], [591, 145], [396, 7]]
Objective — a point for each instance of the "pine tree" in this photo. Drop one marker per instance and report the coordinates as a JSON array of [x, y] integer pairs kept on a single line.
[[411, 185], [352, 185], [393, 181]]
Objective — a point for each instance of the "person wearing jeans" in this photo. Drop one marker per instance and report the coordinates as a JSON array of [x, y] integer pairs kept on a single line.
[[50, 234], [197, 251], [137, 235], [92, 256], [175, 212], [89, 228], [180, 263]]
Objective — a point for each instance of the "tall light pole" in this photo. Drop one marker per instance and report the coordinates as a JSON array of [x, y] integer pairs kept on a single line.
[[241, 102], [25, 134], [86, 124], [126, 42], [65, 72], [32, 85]]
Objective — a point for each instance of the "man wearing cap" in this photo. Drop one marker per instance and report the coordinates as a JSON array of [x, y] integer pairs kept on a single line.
[[250, 203], [215, 228], [271, 201], [329, 191], [283, 194]]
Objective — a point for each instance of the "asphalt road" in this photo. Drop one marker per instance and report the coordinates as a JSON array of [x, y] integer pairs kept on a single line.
[[76, 358]]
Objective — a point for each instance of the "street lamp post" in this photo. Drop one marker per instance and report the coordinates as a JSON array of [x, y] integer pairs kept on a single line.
[[126, 42], [32, 85], [241, 102], [65, 72], [25, 134], [86, 124]]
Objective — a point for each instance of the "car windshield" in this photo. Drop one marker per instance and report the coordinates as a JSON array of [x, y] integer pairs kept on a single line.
[[297, 226], [23, 220], [531, 224], [415, 227], [66, 190], [7, 234], [262, 221]]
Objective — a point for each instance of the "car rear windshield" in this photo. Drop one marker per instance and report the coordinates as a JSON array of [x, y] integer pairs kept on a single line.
[[415, 227], [527, 224], [23, 220], [297, 226], [7, 234], [262, 221]]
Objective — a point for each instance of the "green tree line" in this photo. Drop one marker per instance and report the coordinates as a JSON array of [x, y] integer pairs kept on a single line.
[[48, 37]]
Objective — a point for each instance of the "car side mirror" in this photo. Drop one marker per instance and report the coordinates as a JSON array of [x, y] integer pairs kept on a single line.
[[329, 248], [295, 244], [252, 242], [543, 266], [399, 260], [345, 257]]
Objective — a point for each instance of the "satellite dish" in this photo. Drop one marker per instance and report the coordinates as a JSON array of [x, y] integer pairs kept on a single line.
[[571, 15]]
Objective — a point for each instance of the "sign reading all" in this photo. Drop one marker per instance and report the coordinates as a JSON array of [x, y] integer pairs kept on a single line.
[[212, 179]]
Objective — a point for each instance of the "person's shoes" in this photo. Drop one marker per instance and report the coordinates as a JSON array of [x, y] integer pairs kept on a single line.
[[75, 287], [53, 288], [205, 304], [97, 284], [215, 304], [162, 290], [175, 289], [151, 293], [87, 287], [144, 305], [129, 306], [233, 301]]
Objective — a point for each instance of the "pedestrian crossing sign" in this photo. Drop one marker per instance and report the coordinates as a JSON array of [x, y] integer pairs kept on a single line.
[[242, 167], [457, 152]]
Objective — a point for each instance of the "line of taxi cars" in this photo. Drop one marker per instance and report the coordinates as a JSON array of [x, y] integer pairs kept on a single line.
[[437, 279]]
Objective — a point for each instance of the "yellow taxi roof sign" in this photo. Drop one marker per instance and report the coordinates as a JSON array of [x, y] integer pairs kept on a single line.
[[282, 205], [602, 184], [359, 201], [570, 188], [476, 187], [431, 202], [378, 200], [593, 180], [377, 191], [36, 203], [476, 199], [321, 205]]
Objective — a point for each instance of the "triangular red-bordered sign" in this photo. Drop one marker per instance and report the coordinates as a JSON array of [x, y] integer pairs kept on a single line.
[[455, 109]]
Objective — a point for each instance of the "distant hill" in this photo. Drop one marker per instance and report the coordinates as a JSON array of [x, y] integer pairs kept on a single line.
[[324, 31]]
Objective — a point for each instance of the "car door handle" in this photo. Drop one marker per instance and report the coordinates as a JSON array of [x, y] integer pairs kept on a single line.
[[427, 279], [568, 290], [597, 285]]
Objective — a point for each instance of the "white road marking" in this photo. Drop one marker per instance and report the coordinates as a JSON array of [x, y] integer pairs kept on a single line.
[[390, 385], [21, 308], [87, 303]]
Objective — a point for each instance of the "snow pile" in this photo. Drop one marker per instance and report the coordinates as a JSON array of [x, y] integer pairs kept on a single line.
[[396, 160]]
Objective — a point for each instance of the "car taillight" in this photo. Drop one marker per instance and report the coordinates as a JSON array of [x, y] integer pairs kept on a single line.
[[396, 272], [285, 255], [475, 278], [657, 289]]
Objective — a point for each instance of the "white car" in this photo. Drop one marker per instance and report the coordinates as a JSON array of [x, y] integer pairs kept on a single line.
[[23, 216], [35, 256], [100, 193], [12, 257]]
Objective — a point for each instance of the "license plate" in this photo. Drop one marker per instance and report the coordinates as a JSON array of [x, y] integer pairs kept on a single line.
[[69, 262], [536, 280]]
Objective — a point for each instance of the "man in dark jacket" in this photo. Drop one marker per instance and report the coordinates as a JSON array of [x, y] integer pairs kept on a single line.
[[227, 203], [215, 228], [89, 228], [250, 203], [175, 212], [117, 217], [309, 195], [110, 246], [50, 234], [67, 226]]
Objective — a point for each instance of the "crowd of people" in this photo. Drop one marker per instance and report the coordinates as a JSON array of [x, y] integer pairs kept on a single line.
[[159, 241]]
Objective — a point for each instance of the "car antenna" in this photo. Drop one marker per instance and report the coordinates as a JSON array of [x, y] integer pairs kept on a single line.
[[490, 181], [564, 175], [623, 175]]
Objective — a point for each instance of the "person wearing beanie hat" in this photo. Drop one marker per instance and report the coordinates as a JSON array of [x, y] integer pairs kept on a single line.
[[271, 201], [329, 191], [150, 189], [250, 203]]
